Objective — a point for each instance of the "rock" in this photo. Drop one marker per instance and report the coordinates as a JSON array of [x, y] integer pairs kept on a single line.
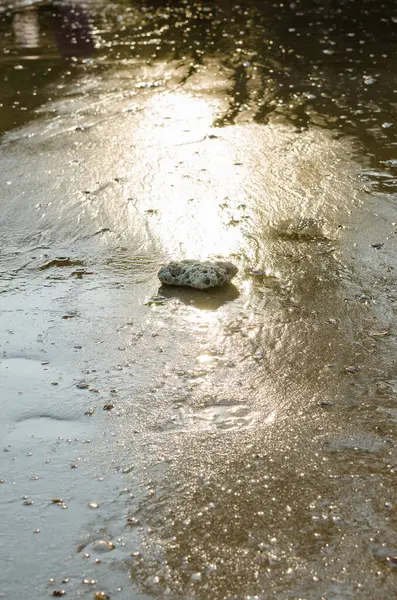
[[196, 274]]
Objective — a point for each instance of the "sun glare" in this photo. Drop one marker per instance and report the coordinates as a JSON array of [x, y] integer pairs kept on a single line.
[[193, 178]]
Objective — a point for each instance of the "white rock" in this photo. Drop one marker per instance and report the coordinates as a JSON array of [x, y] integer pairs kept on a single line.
[[196, 274]]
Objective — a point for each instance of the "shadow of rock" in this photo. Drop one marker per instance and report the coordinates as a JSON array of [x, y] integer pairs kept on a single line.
[[211, 299]]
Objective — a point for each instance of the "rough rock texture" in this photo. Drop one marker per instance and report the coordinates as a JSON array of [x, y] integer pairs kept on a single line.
[[196, 274]]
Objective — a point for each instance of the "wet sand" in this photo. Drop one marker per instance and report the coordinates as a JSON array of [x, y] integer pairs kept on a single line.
[[231, 444]]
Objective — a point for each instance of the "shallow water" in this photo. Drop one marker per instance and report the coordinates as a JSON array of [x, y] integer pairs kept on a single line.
[[230, 444]]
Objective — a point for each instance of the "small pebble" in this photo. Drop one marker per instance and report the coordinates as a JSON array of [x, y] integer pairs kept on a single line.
[[153, 300], [364, 298], [59, 502], [102, 546], [352, 369]]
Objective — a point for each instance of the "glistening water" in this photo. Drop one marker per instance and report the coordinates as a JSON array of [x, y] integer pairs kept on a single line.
[[233, 444]]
